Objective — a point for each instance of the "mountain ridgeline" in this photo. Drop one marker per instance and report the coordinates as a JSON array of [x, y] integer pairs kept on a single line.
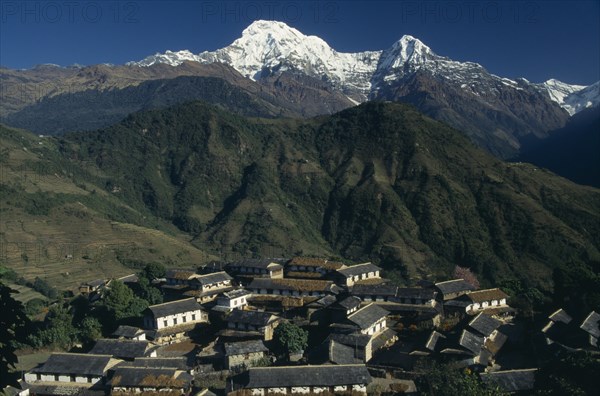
[[379, 182]]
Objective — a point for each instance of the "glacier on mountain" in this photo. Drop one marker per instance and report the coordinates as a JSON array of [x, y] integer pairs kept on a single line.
[[271, 47]]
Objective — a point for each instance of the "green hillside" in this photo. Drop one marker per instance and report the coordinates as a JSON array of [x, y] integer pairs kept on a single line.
[[377, 182], [59, 223]]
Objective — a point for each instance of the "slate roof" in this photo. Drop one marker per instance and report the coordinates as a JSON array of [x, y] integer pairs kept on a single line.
[[300, 285], [349, 302], [75, 363], [484, 324], [358, 269], [127, 331], [454, 286], [353, 340], [236, 293], [325, 301], [372, 290], [255, 318], [126, 349], [416, 292], [511, 380], [179, 363], [174, 307], [315, 262], [258, 263], [141, 376], [180, 273], [471, 341], [560, 316], [209, 279], [367, 316], [486, 295], [242, 347], [591, 324], [433, 340], [295, 376], [342, 354]]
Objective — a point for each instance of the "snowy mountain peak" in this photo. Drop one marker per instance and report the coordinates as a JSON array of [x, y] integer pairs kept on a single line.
[[572, 98], [173, 58], [268, 48]]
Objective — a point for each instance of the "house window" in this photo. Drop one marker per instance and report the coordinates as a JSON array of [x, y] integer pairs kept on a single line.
[[193, 316], [89, 379], [174, 321], [55, 377], [184, 319], [165, 323], [73, 378]]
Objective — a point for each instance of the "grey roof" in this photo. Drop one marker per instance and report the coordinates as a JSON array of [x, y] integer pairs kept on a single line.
[[127, 349], [328, 375], [75, 363], [299, 285], [325, 301], [179, 363], [349, 302], [560, 316], [454, 286], [353, 340], [358, 269], [372, 290], [342, 354], [209, 279], [236, 293], [433, 340], [127, 331], [95, 283], [511, 380], [416, 292], [591, 324], [174, 307], [484, 324], [470, 341], [258, 263], [242, 347], [180, 273], [142, 376], [367, 316], [256, 318]]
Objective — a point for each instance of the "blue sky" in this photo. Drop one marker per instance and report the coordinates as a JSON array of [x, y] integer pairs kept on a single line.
[[537, 40]]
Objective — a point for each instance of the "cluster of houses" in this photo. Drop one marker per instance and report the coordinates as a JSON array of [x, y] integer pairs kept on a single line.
[[362, 326]]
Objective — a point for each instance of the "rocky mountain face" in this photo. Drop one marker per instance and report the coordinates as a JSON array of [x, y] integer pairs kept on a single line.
[[304, 77], [376, 182]]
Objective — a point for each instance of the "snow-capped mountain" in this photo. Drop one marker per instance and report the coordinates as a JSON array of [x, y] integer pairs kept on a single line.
[[270, 47]]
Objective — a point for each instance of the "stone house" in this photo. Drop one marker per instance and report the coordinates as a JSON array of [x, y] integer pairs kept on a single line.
[[350, 275], [244, 353], [325, 379], [73, 369]]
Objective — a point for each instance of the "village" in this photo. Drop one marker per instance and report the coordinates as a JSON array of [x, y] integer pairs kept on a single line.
[[217, 333]]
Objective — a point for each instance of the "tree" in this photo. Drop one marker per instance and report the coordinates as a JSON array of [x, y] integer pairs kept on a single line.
[[122, 303], [58, 331], [446, 380], [153, 271], [575, 374], [13, 328], [90, 330], [290, 338]]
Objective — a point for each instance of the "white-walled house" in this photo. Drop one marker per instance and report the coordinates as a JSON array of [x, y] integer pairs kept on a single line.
[[174, 313], [75, 369], [484, 299], [233, 299], [159, 380], [356, 273], [206, 287], [370, 319], [327, 379]]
